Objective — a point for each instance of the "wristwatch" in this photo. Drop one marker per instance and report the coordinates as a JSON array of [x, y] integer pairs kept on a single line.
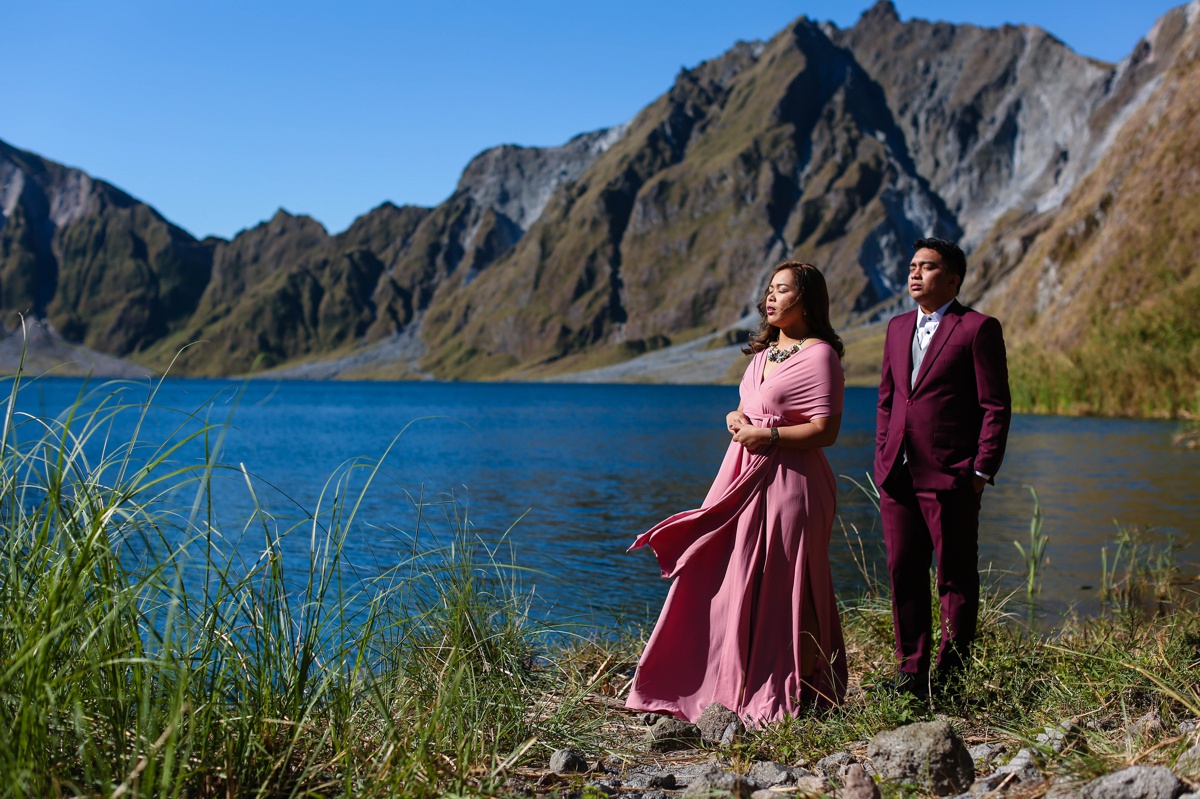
[[774, 436]]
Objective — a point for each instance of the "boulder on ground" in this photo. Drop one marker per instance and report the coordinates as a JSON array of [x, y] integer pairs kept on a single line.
[[928, 754], [567, 761], [719, 781], [768, 773], [1135, 782], [718, 724], [672, 735]]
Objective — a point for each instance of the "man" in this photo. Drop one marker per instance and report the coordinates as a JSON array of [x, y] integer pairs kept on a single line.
[[941, 427]]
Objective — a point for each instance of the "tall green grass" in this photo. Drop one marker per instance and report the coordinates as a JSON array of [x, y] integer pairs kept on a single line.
[[1146, 363], [141, 656]]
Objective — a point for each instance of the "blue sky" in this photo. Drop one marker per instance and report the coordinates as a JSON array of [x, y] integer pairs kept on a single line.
[[218, 113]]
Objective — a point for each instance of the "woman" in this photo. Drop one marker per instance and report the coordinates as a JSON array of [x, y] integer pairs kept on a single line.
[[751, 620]]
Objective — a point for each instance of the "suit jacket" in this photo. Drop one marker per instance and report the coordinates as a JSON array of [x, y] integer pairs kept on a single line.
[[954, 421]]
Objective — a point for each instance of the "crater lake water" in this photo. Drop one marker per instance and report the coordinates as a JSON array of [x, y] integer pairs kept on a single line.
[[572, 473]]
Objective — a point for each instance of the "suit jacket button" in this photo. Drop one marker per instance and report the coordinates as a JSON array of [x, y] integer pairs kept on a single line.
[[910, 402]]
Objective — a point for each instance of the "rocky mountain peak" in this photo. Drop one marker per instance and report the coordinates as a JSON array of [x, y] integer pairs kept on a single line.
[[517, 182], [882, 13]]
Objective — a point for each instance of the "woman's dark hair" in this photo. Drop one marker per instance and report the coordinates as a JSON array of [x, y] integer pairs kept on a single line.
[[814, 299]]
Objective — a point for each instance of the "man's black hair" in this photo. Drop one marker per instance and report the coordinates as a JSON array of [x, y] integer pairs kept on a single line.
[[952, 254]]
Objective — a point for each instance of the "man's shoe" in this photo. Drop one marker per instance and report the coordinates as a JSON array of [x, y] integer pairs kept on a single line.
[[911, 685]]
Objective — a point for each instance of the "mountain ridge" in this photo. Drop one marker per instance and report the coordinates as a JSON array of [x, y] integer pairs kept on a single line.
[[839, 146]]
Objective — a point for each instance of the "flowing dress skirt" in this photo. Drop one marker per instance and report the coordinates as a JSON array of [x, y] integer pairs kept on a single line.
[[751, 620]]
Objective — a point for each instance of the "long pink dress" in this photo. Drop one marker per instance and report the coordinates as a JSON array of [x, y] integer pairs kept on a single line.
[[747, 560]]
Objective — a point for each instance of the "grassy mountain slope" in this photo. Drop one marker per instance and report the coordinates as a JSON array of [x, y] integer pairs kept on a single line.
[[763, 152], [1104, 308], [286, 289]]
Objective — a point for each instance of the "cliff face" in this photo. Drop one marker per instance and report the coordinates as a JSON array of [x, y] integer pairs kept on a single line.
[[104, 269], [1105, 301], [837, 147], [833, 146]]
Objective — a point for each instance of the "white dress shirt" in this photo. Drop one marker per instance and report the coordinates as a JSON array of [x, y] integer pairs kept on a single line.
[[927, 324]]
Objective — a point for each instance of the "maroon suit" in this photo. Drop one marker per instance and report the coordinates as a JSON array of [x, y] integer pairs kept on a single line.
[[931, 438]]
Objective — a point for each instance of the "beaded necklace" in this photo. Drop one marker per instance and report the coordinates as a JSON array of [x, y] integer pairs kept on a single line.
[[776, 355]]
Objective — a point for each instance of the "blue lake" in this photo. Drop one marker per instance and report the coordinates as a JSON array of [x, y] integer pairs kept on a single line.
[[574, 472]]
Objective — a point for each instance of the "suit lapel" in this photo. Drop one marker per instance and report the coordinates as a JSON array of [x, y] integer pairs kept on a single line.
[[945, 328], [902, 353]]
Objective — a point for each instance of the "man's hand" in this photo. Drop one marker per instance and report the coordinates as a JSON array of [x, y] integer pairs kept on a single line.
[[980, 482]]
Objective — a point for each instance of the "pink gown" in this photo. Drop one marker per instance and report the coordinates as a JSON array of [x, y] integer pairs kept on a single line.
[[747, 560]]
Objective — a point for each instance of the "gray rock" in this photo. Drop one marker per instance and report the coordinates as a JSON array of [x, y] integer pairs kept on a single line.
[[610, 787], [730, 736], [718, 724], [1189, 761], [1188, 725], [777, 775], [672, 735], [1135, 782], [721, 782], [1021, 770], [685, 774], [567, 761], [664, 780], [982, 755], [768, 773], [813, 783], [858, 784], [833, 765], [649, 719], [1067, 735], [929, 754]]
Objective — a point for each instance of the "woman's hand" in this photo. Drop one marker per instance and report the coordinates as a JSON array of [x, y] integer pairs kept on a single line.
[[753, 438], [735, 420]]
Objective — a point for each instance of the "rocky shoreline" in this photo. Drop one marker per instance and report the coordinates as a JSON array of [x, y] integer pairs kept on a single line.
[[928, 758]]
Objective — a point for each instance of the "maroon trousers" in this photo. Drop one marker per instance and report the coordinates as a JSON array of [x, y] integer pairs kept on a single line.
[[919, 524]]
